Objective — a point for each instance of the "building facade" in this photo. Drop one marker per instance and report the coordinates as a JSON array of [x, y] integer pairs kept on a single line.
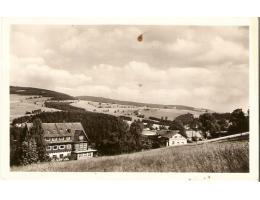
[[177, 139], [65, 141], [173, 137], [193, 135]]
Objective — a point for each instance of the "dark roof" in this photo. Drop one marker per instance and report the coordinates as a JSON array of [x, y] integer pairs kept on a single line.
[[60, 129], [168, 133]]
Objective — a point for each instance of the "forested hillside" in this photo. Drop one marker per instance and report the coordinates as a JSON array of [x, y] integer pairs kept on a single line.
[[41, 92]]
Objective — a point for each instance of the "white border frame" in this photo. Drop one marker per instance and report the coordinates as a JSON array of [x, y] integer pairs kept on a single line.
[[253, 99]]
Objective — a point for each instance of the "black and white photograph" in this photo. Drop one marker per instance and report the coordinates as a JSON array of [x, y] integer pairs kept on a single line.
[[129, 98]]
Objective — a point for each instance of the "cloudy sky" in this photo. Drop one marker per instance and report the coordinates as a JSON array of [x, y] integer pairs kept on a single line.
[[199, 66]]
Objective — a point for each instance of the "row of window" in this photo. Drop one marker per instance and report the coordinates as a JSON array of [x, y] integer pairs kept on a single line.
[[56, 147], [60, 156], [85, 155], [68, 138], [60, 130], [81, 146], [177, 142]]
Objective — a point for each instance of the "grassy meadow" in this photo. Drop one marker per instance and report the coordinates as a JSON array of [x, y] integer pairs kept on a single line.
[[20, 104], [127, 110], [227, 156]]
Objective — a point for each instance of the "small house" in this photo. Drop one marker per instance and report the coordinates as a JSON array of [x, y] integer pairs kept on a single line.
[[173, 137], [156, 126], [193, 135], [37, 111]]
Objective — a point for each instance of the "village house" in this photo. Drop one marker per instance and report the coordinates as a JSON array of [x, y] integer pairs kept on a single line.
[[173, 137], [38, 111], [66, 141], [193, 135], [148, 132], [156, 126]]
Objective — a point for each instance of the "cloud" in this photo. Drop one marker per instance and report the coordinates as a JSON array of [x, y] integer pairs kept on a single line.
[[34, 72], [191, 65]]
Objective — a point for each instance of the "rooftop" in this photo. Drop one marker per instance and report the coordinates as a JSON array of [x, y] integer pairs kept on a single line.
[[60, 129], [168, 133]]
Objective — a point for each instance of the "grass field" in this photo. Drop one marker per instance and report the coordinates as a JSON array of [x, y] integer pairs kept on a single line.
[[128, 110], [170, 113], [227, 156], [19, 104]]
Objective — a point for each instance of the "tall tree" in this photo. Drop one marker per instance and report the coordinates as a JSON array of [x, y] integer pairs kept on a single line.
[[186, 119], [195, 124], [178, 125], [38, 133], [136, 130], [208, 125], [28, 152], [239, 122]]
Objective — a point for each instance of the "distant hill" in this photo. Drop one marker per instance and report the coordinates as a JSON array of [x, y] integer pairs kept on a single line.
[[61, 96], [107, 100], [41, 92]]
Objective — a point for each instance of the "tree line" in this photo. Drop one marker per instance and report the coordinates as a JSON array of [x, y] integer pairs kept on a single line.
[[110, 135], [213, 124], [27, 147]]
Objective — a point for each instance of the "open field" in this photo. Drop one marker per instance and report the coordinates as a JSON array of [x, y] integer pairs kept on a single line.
[[25, 99], [170, 113], [225, 156], [20, 104], [128, 110]]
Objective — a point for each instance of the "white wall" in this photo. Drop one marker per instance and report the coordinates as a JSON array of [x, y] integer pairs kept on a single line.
[[68, 153], [84, 155], [177, 140]]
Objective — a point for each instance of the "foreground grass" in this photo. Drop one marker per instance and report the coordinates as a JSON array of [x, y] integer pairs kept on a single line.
[[229, 156]]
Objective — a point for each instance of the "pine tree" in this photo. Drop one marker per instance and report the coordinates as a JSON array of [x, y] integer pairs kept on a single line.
[[38, 133], [33, 154], [28, 153]]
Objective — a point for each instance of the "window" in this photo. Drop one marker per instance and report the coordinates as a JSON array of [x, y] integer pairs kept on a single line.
[[81, 137], [172, 142], [85, 145], [68, 146], [47, 139], [68, 138], [54, 157], [61, 138], [48, 148], [61, 155], [55, 147], [62, 147], [54, 139]]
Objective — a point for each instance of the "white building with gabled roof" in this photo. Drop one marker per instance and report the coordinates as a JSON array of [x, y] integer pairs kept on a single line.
[[173, 137]]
